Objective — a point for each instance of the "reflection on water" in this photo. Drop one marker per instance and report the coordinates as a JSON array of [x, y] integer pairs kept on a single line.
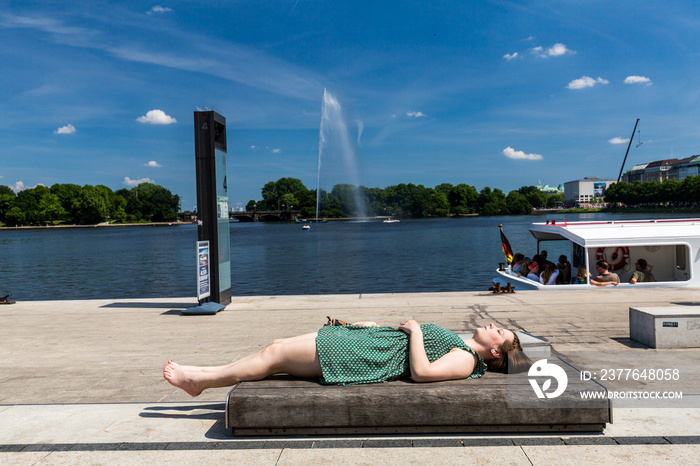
[[268, 258]]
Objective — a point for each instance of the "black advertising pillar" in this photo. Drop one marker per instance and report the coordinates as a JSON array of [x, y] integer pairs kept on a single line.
[[212, 200]]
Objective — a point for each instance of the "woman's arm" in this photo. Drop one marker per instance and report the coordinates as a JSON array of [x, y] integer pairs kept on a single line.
[[454, 365]]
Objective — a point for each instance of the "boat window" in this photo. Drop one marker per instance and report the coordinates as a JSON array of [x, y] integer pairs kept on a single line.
[[578, 255], [681, 257]]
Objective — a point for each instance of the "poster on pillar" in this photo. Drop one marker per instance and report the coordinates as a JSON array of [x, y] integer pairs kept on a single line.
[[203, 283]]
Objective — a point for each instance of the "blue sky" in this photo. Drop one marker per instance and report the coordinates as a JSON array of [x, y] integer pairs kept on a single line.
[[488, 93]]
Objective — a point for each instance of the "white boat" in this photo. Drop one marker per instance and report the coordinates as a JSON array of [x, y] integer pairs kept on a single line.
[[671, 246], [306, 226], [391, 220]]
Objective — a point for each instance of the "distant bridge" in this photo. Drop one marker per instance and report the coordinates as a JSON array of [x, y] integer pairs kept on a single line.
[[266, 215]]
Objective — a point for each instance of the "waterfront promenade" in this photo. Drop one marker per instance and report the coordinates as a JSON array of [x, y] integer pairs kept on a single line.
[[80, 381]]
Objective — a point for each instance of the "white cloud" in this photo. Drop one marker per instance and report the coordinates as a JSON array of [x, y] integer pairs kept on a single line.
[[510, 56], [252, 147], [415, 114], [520, 155], [159, 9], [153, 163], [129, 182], [156, 117], [19, 186], [555, 50], [637, 80], [68, 129], [276, 151], [617, 140], [584, 82]]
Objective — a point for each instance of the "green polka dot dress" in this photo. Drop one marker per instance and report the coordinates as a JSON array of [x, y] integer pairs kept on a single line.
[[353, 354]]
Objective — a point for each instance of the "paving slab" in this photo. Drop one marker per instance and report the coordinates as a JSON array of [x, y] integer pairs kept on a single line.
[[613, 454]]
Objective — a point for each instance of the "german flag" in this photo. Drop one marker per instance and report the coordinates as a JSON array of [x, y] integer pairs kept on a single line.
[[507, 250]]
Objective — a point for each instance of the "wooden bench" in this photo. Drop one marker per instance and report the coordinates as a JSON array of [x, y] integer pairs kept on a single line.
[[282, 405]]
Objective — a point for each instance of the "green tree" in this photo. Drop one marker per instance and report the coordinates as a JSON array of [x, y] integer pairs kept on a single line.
[[669, 192], [345, 194], [491, 202], [553, 200], [154, 203], [28, 202], [66, 194], [462, 199], [7, 201], [617, 192], [517, 204], [273, 191], [15, 216], [690, 186], [90, 206], [50, 208], [439, 205], [118, 213], [6, 190], [533, 194], [375, 201], [288, 201]]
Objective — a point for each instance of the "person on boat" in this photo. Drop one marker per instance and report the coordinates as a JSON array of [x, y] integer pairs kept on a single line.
[[366, 353], [518, 259], [606, 277], [564, 267], [642, 272], [540, 261], [544, 254], [534, 269], [549, 275], [581, 276]]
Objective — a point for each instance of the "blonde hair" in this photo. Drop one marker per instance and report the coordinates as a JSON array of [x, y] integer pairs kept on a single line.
[[548, 271], [582, 272]]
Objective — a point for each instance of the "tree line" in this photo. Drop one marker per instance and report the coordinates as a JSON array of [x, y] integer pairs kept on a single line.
[[402, 200], [87, 205], [670, 192]]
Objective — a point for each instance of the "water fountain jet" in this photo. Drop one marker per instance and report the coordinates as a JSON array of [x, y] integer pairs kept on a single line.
[[333, 140]]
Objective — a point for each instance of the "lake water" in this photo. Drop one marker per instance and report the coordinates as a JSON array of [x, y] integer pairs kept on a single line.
[[268, 258]]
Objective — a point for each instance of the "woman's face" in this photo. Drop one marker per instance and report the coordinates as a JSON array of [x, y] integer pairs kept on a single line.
[[493, 337]]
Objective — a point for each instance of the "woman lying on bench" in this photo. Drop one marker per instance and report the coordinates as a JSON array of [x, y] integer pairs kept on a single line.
[[366, 353]]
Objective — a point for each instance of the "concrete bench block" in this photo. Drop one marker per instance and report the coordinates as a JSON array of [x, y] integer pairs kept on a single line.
[[282, 405], [666, 327]]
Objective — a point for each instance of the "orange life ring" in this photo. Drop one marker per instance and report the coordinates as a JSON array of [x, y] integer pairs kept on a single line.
[[620, 257]]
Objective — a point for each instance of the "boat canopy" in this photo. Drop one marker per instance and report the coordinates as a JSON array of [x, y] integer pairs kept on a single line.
[[629, 233]]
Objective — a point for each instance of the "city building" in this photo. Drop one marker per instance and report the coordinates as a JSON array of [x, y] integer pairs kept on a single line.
[[635, 173], [689, 166], [587, 190], [661, 170], [658, 170]]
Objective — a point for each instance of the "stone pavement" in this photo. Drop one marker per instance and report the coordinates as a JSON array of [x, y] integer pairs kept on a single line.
[[80, 381]]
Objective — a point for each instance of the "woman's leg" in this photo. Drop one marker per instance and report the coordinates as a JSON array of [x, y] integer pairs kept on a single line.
[[296, 356]]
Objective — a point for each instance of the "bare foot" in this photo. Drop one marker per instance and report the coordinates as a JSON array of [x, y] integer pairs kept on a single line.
[[181, 378], [187, 369]]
